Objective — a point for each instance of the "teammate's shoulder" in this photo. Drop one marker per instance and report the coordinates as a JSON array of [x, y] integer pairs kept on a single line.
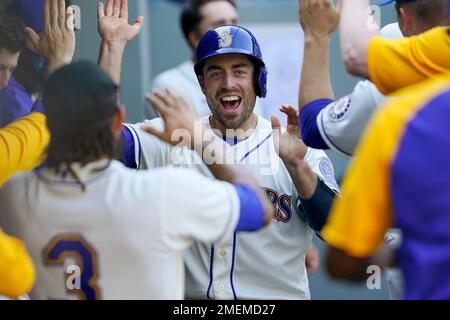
[[156, 122], [167, 77]]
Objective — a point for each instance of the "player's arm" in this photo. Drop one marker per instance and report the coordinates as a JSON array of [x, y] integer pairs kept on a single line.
[[22, 144], [356, 30], [319, 20], [341, 123], [16, 268], [180, 118], [115, 33], [358, 220], [315, 196]]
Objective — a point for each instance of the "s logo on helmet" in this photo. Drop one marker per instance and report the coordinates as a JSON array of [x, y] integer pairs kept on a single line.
[[225, 39]]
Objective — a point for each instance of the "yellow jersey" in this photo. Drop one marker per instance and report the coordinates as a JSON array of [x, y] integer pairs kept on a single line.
[[358, 220], [396, 63], [22, 144]]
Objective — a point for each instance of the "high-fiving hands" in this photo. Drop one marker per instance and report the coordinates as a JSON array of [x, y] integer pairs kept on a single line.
[[319, 18], [177, 115], [113, 25], [291, 146], [56, 43]]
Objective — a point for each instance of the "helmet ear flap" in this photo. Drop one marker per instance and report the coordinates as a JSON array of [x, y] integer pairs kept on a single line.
[[262, 82]]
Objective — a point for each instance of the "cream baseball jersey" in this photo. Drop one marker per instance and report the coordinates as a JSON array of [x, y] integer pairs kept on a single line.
[[268, 264], [123, 236]]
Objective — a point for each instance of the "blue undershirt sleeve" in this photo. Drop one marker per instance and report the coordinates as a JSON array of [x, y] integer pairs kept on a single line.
[[308, 124], [318, 207], [251, 216]]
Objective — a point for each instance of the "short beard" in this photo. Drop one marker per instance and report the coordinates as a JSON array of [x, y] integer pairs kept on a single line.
[[247, 113]]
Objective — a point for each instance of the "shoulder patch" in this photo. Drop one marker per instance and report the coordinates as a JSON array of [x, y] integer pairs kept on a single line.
[[326, 169], [339, 109]]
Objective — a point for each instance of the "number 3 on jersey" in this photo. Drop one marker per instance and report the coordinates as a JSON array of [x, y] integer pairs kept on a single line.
[[75, 247]]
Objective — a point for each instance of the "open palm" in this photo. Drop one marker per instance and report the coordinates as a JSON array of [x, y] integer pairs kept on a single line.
[[291, 146], [113, 23]]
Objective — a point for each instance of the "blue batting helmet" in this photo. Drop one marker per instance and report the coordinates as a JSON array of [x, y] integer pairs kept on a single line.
[[230, 39]]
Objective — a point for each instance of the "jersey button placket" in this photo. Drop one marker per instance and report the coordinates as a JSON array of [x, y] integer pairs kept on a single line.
[[222, 267]]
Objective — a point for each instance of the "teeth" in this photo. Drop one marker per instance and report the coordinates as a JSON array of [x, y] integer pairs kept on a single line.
[[230, 98]]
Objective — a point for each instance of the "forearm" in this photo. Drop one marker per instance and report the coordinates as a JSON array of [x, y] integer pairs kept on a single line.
[[318, 207], [55, 64], [315, 80], [316, 198], [356, 32], [344, 266], [22, 144], [340, 265], [304, 179], [110, 59]]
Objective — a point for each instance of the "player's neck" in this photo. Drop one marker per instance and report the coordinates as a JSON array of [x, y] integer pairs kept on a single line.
[[244, 131]]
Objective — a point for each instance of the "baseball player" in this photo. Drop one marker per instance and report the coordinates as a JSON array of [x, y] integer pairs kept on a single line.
[[197, 17], [23, 141], [409, 189], [390, 65], [97, 230], [269, 264], [339, 124]]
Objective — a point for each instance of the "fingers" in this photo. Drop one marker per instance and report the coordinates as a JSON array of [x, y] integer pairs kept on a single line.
[[276, 125], [289, 110], [124, 10], [47, 25], [292, 114], [116, 8], [32, 39], [61, 14], [138, 23], [70, 20], [100, 10], [109, 8], [180, 101], [153, 131], [167, 98], [54, 16], [157, 103]]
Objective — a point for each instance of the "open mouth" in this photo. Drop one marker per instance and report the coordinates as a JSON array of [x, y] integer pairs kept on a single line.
[[230, 103]]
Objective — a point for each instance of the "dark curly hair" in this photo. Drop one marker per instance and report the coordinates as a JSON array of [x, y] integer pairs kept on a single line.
[[12, 34], [81, 101]]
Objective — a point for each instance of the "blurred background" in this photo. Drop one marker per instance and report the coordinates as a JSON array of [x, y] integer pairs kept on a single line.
[[275, 23]]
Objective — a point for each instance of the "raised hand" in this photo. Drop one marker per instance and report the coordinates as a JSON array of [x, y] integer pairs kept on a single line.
[[319, 18], [291, 146], [177, 115], [57, 41], [113, 23]]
